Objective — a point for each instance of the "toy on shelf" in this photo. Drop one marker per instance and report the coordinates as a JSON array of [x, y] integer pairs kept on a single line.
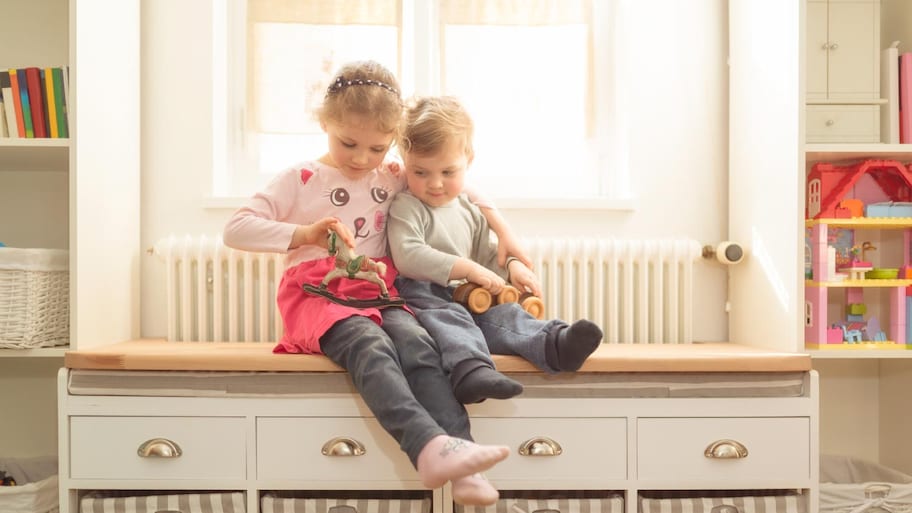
[[478, 300], [873, 194], [354, 267]]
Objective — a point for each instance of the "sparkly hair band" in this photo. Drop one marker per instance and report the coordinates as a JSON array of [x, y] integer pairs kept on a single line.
[[341, 83]]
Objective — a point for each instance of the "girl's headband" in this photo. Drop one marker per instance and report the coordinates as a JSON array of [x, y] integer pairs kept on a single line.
[[341, 83]]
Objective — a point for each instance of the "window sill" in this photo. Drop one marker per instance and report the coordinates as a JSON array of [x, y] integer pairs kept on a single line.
[[615, 204]]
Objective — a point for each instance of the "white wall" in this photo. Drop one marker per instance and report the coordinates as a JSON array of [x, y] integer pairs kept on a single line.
[[678, 135]]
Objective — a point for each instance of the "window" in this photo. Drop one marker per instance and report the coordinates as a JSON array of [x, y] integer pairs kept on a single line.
[[542, 79]]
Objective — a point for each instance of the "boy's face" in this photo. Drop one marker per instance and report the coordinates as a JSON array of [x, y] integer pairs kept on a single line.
[[356, 147], [437, 179]]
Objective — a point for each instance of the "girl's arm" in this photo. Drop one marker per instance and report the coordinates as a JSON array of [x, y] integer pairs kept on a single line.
[[507, 243]]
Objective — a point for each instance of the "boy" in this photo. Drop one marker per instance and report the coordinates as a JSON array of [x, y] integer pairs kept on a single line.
[[438, 238]]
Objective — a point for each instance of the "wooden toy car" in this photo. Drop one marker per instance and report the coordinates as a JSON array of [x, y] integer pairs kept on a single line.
[[479, 300]]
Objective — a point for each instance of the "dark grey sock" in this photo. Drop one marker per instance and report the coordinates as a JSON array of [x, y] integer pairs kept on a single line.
[[485, 383], [575, 343]]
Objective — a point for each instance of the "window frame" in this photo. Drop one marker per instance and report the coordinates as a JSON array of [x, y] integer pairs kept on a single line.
[[420, 22]]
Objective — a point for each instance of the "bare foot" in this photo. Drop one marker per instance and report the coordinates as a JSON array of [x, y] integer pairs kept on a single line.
[[446, 458], [474, 490]]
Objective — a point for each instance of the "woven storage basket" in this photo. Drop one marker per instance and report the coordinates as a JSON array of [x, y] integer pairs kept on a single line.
[[34, 298]]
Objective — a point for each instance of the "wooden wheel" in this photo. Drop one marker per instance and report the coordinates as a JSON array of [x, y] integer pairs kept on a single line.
[[509, 294], [533, 304], [473, 297]]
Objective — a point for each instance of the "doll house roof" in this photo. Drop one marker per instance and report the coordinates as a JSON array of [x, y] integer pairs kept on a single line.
[[836, 182]]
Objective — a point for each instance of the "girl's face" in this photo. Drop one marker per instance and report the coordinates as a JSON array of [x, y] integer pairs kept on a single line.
[[356, 147], [438, 178]]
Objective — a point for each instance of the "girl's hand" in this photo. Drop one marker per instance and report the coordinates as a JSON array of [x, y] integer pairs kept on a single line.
[[523, 278], [486, 279], [393, 167], [317, 234], [508, 246]]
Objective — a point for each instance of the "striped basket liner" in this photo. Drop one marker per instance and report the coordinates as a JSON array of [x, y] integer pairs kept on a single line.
[[529, 501], [152, 502], [354, 502], [724, 502]]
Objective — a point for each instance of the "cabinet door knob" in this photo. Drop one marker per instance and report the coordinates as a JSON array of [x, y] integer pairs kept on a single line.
[[540, 446], [159, 448], [834, 46], [829, 122], [725, 450], [343, 446]]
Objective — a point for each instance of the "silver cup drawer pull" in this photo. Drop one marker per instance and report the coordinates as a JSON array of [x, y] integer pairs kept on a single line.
[[540, 446], [725, 450], [159, 448], [343, 446]]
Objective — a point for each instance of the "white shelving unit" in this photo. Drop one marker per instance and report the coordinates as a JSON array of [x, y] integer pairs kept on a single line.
[[79, 194]]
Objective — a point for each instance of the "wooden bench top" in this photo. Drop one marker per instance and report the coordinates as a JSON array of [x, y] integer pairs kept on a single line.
[[159, 354]]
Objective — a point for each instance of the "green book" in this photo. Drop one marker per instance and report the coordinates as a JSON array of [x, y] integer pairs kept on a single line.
[[60, 108]]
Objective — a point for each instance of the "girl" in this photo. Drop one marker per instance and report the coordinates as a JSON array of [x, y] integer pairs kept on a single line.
[[392, 360]]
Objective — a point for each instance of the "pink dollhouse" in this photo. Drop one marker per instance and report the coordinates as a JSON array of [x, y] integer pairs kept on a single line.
[[871, 195]]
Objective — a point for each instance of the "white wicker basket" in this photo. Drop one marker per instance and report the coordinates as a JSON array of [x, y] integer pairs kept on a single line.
[[34, 298]]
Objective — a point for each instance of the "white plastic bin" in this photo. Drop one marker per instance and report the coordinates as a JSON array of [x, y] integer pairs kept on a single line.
[[36, 485], [151, 502], [850, 484]]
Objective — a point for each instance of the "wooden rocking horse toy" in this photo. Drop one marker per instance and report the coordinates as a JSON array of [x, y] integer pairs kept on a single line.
[[354, 267]]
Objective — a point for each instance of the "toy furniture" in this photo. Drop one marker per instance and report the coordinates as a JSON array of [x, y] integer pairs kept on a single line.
[[835, 194], [637, 419]]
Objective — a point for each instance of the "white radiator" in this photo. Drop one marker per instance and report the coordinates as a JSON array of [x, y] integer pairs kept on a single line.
[[638, 291]]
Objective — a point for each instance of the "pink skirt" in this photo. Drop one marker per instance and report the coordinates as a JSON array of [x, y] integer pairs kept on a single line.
[[307, 316]]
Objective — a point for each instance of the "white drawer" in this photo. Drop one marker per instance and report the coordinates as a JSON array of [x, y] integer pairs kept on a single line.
[[591, 449], [777, 448], [843, 123], [107, 447], [292, 448]]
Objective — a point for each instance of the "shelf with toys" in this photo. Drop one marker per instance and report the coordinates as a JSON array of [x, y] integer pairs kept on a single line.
[[858, 266]]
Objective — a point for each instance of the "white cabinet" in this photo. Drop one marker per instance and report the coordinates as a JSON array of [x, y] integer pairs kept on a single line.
[[843, 50], [842, 63], [81, 193]]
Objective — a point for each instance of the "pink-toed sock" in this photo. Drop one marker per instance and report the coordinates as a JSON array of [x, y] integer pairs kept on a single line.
[[445, 458]]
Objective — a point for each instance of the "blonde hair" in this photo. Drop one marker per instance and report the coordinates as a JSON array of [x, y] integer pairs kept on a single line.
[[364, 88], [430, 123]]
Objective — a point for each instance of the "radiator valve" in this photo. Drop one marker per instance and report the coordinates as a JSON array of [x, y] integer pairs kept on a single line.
[[726, 252]]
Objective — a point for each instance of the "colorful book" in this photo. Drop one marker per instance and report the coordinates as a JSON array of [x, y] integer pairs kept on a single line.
[[905, 98], [17, 101], [26, 106], [36, 102], [60, 101], [4, 131], [50, 106], [6, 90]]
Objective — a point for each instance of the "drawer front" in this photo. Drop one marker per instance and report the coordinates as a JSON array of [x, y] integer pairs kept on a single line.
[[107, 447], [778, 448], [843, 123], [284, 444], [590, 448]]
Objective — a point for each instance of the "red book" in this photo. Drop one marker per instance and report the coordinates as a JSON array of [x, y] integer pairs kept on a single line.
[[905, 98], [37, 101], [17, 102]]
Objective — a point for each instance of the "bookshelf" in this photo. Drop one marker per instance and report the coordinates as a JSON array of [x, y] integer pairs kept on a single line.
[[79, 194]]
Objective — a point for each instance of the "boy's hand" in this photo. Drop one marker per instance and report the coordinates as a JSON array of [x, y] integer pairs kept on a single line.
[[487, 279], [523, 278]]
